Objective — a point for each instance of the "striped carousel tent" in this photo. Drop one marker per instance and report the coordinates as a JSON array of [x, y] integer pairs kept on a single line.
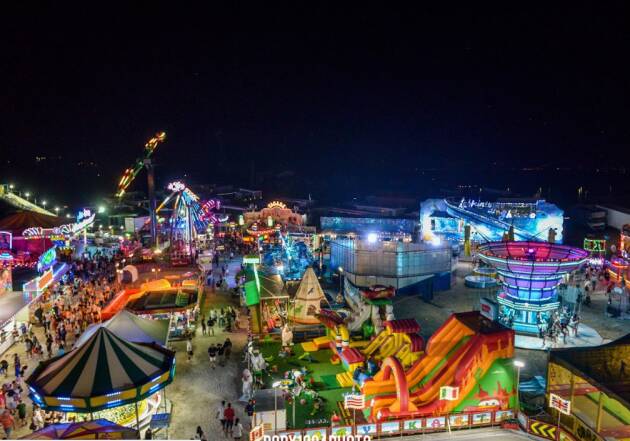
[[96, 429], [130, 327], [105, 371]]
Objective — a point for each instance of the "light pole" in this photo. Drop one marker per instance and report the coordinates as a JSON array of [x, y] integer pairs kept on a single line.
[[340, 280], [275, 386], [519, 364]]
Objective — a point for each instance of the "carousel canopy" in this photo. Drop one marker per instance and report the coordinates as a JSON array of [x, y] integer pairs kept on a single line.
[[96, 429], [105, 371], [18, 222], [130, 327]]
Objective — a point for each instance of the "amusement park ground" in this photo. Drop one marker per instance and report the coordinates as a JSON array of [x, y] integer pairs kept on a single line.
[[460, 298], [197, 390]]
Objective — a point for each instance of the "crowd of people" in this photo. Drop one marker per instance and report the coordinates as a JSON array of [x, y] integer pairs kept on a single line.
[[63, 312]]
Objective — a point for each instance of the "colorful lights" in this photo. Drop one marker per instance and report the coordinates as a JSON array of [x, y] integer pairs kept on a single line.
[[530, 273], [47, 259], [276, 204], [130, 174], [489, 221]]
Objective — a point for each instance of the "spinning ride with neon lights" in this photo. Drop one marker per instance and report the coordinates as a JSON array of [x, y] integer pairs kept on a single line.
[[130, 174], [530, 273], [190, 219], [618, 269]]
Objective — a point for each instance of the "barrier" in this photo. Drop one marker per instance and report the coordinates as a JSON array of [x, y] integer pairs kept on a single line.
[[431, 424], [544, 430]]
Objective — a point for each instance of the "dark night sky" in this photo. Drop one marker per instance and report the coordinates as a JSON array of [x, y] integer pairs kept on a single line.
[[349, 99]]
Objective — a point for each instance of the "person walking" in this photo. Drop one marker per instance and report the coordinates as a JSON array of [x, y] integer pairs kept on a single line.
[[238, 430], [212, 356], [228, 415], [250, 408], [211, 323], [204, 325], [189, 349], [220, 412], [199, 434], [227, 350]]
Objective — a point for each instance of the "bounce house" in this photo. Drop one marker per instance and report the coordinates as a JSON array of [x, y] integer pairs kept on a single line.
[[466, 366]]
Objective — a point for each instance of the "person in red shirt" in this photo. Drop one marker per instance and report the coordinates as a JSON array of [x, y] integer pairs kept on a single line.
[[8, 423], [228, 416]]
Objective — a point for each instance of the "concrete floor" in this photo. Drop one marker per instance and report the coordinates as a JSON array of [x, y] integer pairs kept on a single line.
[[197, 389]]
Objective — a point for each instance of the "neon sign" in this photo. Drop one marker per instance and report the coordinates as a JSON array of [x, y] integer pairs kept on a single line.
[[6, 240], [63, 230], [47, 260], [276, 204], [176, 186], [86, 213]]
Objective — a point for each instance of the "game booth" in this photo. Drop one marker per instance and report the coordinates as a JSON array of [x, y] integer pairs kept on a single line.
[[161, 300], [596, 383]]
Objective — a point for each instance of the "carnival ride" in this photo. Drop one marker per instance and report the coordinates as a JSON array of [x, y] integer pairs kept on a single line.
[[289, 257], [619, 270], [190, 220], [465, 367], [489, 221], [530, 273], [130, 174], [140, 371], [100, 428]]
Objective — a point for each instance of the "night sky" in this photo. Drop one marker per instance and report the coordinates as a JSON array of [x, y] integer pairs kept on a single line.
[[327, 99]]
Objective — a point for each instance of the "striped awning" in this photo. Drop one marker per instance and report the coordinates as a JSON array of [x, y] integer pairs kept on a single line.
[[105, 371]]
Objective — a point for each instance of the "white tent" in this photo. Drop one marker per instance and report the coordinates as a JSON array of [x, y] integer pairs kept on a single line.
[[129, 274], [307, 299], [130, 327]]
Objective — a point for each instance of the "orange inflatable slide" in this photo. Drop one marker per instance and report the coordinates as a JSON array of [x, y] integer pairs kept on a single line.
[[460, 351]]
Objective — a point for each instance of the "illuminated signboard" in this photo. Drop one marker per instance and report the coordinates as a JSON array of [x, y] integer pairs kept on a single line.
[[84, 219], [6, 240], [47, 260]]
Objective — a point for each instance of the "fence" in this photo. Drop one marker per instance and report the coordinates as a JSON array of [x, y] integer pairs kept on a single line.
[[458, 421]]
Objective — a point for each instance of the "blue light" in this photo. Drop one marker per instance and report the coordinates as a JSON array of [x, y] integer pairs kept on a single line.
[[154, 388], [67, 406], [372, 237]]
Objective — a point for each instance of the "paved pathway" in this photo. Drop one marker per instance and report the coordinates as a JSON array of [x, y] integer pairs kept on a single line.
[[196, 390]]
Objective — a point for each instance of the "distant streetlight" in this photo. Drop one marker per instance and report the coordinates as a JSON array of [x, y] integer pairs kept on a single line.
[[27, 194], [101, 209], [56, 209], [44, 203], [519, 364], [11, 186], [275, 386], [340, 280], [68, 215]]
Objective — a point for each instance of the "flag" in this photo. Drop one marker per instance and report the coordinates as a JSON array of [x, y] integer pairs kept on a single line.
[[354, 401], [449, 393]]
